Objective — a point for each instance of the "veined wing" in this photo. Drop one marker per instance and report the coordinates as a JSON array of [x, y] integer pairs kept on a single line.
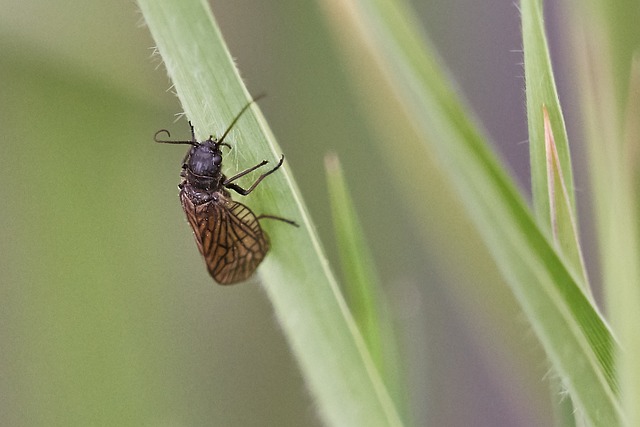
[[229, 238]]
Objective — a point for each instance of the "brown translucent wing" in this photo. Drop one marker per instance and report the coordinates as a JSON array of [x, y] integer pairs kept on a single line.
[[229, 237]]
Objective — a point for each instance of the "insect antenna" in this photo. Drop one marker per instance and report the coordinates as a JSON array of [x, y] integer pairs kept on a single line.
[[163, 141], [224, 135]]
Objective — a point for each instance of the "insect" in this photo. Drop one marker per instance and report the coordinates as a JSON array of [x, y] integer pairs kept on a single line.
[[228, 233]]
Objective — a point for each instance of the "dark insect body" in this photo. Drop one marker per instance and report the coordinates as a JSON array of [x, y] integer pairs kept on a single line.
[[228, 233]]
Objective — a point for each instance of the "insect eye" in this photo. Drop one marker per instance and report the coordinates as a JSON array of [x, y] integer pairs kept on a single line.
[[217, 159]]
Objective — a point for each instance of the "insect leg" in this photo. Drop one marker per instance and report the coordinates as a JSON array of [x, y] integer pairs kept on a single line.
[[243, 173], [235, 187], [193, 133], [279, 218]]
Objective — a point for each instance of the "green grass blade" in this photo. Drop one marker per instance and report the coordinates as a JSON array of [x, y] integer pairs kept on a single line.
[[307, 301], [607, 72], [541, 91], [564, 227], [574, 334], [542, 99], [362, 288], [629, 309], [564, 231], [551, 171]]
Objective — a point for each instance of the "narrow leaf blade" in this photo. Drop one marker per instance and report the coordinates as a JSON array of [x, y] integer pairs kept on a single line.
[[361, 284], [572, 331], [296, 276], [564, 228]]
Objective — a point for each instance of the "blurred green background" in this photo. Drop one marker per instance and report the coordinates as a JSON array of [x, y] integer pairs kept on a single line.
[[108, 316]]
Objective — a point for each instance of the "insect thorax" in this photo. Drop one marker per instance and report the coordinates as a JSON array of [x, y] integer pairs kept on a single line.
[[202, 182], [199, 196]]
